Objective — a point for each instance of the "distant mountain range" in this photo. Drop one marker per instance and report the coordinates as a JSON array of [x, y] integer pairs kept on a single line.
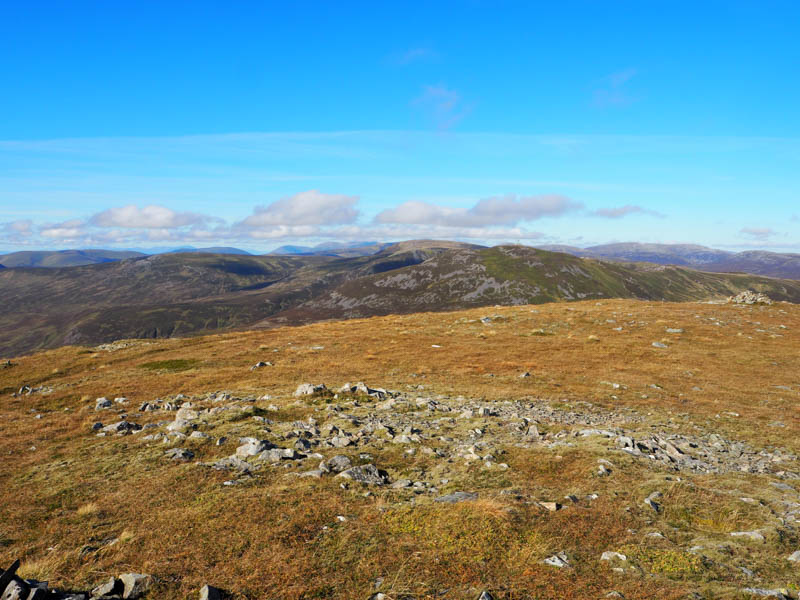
[[183, 294], [63, 258], [758, 262], [211, 250], [79, 258], [342, 249]]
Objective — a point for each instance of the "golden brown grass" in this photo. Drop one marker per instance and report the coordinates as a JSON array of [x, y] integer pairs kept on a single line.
[[113, 505]]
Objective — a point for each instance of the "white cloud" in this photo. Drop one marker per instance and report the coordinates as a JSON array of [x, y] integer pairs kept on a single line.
[[306, 208], [65, 231], [147, 217], [624, 211], [506, 210], [758, 233]]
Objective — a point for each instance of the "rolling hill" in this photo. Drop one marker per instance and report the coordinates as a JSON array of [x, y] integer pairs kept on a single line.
[[64, 258], [183, 294], [757, 262], [210, 250]]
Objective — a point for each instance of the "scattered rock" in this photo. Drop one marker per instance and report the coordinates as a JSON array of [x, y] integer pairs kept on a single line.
[[179, 425], [560, 560], [208, 592], [17, 589], [122, 428], [252, 446], [113, 587], [456, 497], [780, 594], [233, 463], [603, 471], [314, 474], [610, 555], [755, 536], [179, 454], [367, 474], [309, 389], [336, 464], [750, 297], [135, 585], [651, 501]]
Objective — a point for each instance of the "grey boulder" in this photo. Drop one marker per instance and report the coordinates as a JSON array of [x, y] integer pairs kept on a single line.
[[208, 592], [367, 474], [456, 497], [135, 585]]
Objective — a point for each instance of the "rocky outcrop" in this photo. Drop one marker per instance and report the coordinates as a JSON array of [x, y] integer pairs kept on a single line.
[[750, 297]]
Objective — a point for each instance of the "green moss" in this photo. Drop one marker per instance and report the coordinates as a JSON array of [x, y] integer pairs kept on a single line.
[[173, 365], [672, 563]]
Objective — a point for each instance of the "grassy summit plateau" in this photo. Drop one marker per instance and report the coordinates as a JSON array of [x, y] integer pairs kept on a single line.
[[664, 432]]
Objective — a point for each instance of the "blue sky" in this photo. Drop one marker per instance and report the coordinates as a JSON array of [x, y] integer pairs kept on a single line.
[[144, 124]]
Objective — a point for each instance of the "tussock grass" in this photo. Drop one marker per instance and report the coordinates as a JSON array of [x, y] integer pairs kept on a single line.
[[173, 365], [88, 509], [274, 536]]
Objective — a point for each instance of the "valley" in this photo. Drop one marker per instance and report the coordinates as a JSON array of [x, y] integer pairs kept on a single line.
[[176, 295]]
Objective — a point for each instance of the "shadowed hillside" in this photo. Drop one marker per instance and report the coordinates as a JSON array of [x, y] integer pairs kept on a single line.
[[183, 294], [511, 275]]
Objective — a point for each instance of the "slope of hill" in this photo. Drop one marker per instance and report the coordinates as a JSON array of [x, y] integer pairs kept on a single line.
[[771, 264], [511, 275], [64, 258], [526, 452], [181, 294], [167, 294]]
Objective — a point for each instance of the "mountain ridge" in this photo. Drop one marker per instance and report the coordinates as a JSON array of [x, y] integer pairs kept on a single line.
[[757, 262], [169, 295]]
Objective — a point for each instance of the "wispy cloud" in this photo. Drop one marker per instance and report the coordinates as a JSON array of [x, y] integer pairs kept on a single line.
[[758, 233], [625, 211], [614, 90], [413, 55], [506, 210], [442, 105]]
